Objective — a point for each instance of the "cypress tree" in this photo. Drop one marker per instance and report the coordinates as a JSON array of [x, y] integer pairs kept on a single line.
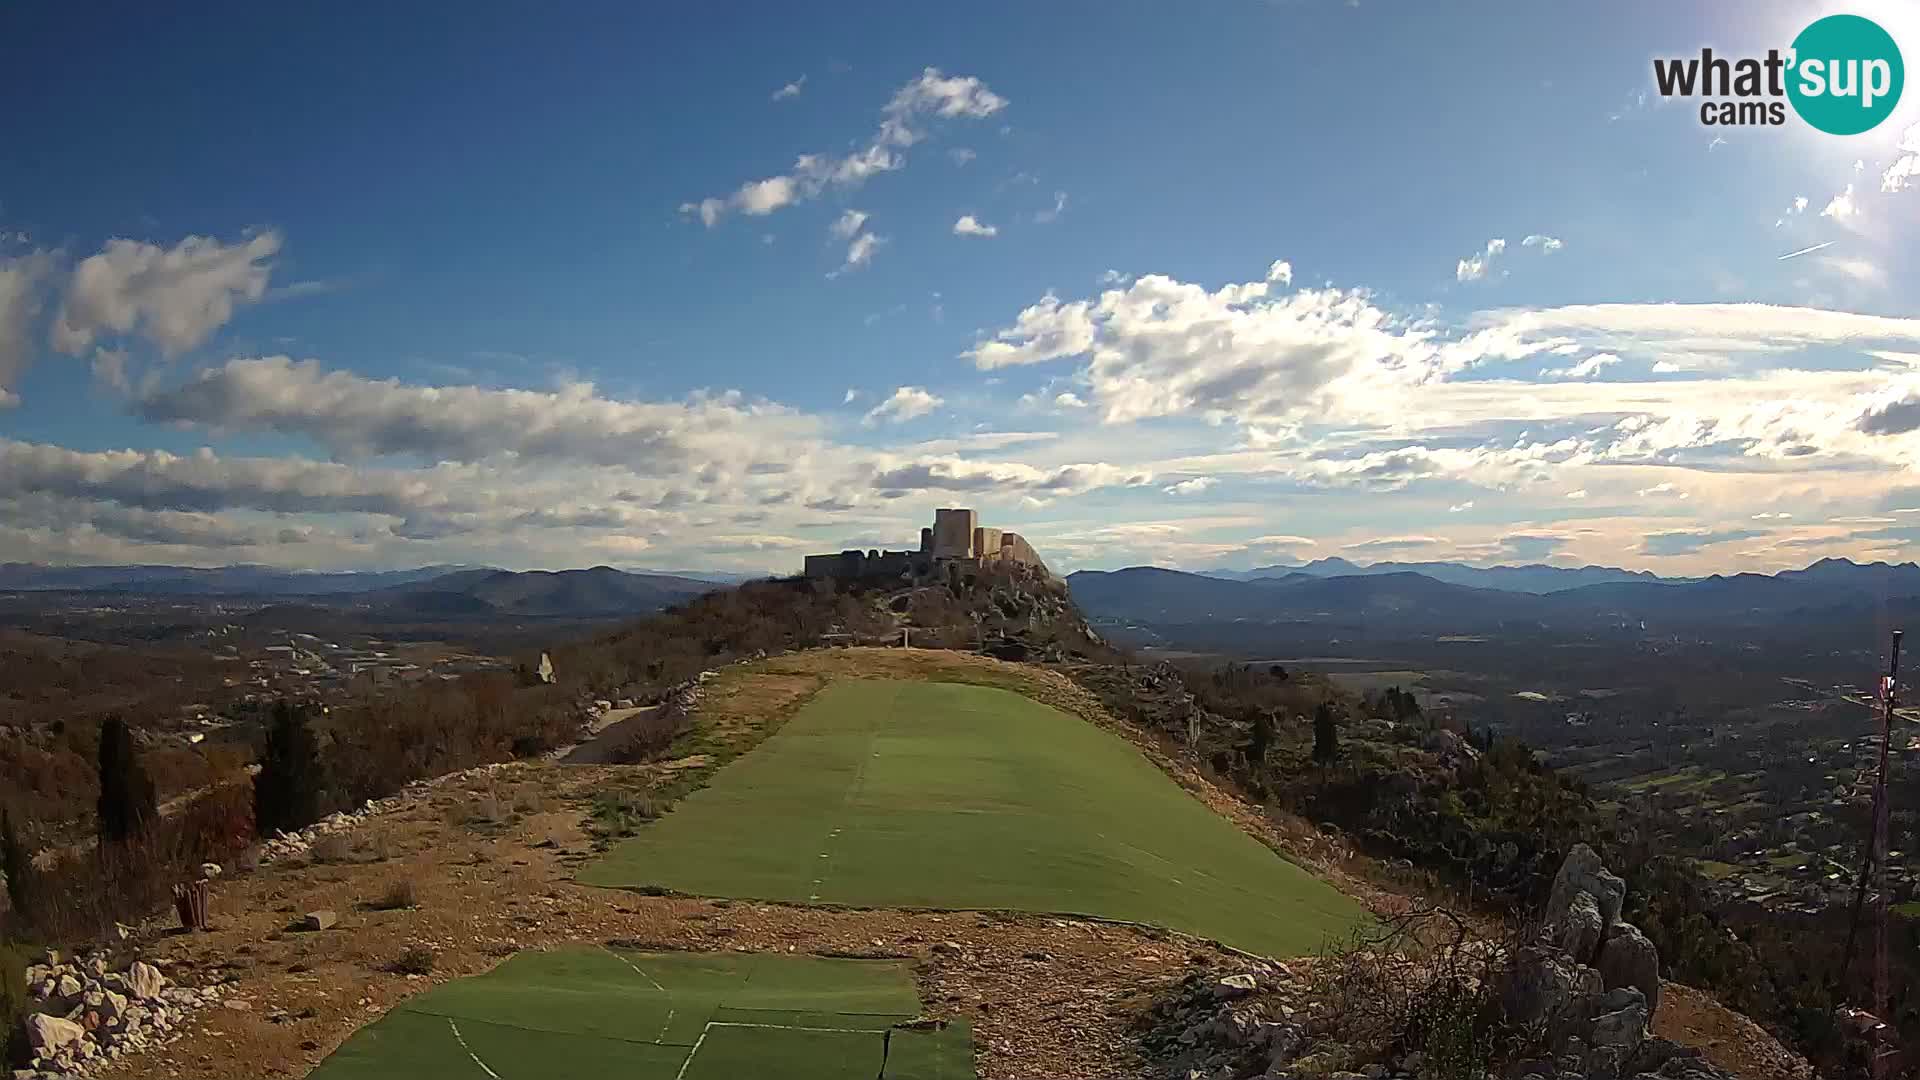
[[289, 792], [127, 804], [1326, 738], [15, 863]]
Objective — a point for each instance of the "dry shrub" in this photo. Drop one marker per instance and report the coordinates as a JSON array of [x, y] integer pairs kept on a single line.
[[529, 799], [332, 848], [416, 960], [1426, 982], [620, 813], [82, 896], [649, 736], [400, 895]]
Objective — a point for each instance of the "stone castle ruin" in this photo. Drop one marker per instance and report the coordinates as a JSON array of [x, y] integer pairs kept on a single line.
[[956, 538]]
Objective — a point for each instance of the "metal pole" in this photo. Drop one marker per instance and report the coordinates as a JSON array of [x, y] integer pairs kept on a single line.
[[1889, 695]]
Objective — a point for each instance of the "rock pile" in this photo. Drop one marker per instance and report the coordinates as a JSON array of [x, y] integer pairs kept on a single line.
[[1245, 1024], [85, 1013], [287, 845]]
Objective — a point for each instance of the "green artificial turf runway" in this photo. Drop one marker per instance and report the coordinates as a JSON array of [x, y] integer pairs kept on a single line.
[[939, 795], [582, 1013]]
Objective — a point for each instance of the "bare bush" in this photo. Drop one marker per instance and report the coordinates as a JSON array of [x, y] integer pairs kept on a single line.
[[82, 896], [416, 960], [400, 895], [1425, 982]]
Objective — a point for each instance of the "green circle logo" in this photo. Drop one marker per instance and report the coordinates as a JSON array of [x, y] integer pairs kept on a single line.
[[1846, 75]]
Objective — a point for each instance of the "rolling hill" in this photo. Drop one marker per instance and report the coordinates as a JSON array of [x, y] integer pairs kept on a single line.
[[601, 590], [1831, 588]]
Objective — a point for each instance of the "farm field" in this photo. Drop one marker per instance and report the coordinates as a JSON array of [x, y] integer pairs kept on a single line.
[[585, 1012], [950, 797]]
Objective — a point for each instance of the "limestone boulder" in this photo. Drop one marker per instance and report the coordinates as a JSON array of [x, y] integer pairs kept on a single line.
[[1627, 958], [1580, 928], [1623, 1028], [1546, 985], [1584, 872], [144, 981], [48, 1035]]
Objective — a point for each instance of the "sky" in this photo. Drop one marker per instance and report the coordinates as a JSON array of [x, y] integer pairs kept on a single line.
[[711, 287]]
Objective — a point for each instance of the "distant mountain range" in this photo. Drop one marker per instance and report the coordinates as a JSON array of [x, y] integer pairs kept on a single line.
[[601, 590], [428, 592], [207, 581], [1417, 601], [1533, 578]]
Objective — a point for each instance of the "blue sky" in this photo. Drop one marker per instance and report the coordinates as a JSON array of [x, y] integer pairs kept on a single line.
[[1223, 285]]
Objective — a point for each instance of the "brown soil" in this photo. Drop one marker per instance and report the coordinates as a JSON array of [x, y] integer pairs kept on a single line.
[[1727, 1038]]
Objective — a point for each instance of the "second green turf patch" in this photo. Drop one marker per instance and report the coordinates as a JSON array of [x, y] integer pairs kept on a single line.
[[939, 795], [589, 1013]]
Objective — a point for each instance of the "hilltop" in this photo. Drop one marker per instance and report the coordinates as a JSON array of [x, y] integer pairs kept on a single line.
[[446, 879]]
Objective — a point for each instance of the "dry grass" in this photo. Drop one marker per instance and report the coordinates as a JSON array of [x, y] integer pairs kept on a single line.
[[400, 895], [416, 960], [332, 849]]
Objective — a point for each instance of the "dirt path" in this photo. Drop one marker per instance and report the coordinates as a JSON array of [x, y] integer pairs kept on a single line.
[[609, 734]]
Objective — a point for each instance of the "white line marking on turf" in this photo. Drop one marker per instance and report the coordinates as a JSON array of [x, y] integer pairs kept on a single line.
[[795, 1027], [463, 1045], [635, 967], [681, 1075], [711, 1024]]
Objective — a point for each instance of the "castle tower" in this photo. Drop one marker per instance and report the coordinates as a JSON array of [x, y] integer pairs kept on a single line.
[[953, 533]]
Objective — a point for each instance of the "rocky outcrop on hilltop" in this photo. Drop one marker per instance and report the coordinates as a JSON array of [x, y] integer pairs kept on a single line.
[[1575, 1001]]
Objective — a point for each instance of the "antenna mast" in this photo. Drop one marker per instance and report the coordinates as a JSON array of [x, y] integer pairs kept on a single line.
[[1889, 696]]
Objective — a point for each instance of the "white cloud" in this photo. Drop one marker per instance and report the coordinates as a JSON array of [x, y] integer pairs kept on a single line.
[[1048, 217], [860, 252], [791, 90], [968, 225], [1281, 271], [1460, 506], [1547, 244], [933, 94], [1861, 271], [848, 224], [1841, 207], [957, 474], [355, 416], [1585, 369], [1474, 267], [960, 155], [1067, 399], [1664, 489], [1393, 543], [1906, 163], [1161, 347], [1579, 493], [22, 281], [173, 297], [906, 403], [852, 395], [1190, 487]]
